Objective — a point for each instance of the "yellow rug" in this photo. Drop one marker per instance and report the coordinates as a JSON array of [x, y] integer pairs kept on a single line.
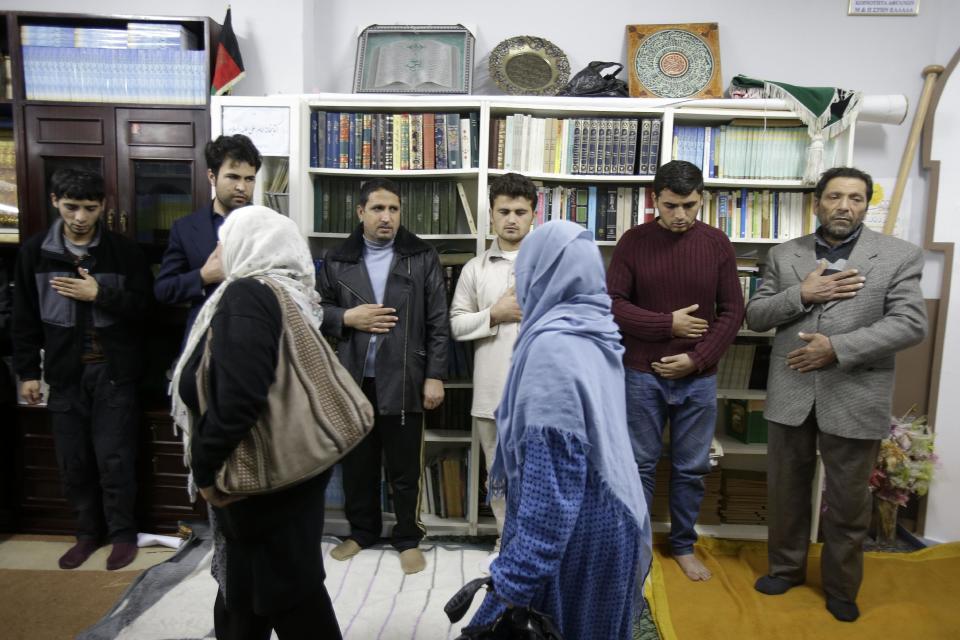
[[904, 595]]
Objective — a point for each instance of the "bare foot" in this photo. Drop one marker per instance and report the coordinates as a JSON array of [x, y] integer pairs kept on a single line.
[[693, 568]]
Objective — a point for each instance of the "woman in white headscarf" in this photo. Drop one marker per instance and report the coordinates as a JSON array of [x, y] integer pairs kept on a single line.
[[268, 560]]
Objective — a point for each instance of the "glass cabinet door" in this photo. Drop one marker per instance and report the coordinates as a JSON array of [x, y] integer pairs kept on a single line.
[[161, 175], [162, 192]]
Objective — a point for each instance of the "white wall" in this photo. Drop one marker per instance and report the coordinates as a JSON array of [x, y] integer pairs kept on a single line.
[[943, 518]]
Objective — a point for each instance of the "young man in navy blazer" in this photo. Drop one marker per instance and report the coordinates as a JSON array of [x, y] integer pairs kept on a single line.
[[191, 268]]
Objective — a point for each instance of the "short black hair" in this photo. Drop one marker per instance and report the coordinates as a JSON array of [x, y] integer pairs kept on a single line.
[[680, 176], [376, 184], [77, 184], [237, 147], [843, 172], [513, 185]]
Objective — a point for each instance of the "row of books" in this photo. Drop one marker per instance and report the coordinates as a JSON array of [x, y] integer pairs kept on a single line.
[[746, 152], [453, 414], [577, 146], [459, 354], [394, 141], [607, 211], [428, 206], [136, 35], [709, 505], [745, 214], [146, 76], [748, 285], [744, 366], [444, 484]]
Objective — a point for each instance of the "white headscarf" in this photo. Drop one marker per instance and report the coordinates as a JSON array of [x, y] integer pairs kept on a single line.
[[255, 241]]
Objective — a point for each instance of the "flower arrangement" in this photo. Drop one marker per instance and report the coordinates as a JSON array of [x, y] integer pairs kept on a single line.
[[906, 461]]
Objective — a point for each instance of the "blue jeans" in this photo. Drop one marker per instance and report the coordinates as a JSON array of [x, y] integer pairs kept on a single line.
[[690, 405]]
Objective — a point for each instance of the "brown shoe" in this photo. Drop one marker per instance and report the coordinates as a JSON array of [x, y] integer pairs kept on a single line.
[[121, 555], [412, 561], [345, 550], [78, 554]]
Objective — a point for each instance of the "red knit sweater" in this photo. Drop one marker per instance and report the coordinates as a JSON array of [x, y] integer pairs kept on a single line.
[[654, 272]]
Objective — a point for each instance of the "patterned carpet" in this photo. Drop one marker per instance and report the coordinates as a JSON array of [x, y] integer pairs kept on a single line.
[[372, 597]]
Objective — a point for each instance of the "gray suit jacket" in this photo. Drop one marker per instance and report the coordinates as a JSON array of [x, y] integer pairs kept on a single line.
[[853, 395]]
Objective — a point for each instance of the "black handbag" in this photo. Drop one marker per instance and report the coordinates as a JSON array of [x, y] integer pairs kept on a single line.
[[590, 82], [516, 623]]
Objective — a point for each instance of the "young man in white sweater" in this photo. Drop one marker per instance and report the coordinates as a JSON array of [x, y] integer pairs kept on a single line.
[[485, 310]]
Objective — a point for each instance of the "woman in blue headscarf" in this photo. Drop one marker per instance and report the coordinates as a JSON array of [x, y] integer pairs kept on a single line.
[[576, 541]]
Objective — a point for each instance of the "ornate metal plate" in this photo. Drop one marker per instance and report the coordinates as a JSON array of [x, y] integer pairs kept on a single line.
[[527, 65]]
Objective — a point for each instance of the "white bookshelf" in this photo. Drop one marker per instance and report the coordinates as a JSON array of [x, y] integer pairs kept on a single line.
[[476, 179]]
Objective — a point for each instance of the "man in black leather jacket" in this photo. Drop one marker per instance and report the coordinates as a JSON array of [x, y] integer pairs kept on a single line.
[[384, 299]]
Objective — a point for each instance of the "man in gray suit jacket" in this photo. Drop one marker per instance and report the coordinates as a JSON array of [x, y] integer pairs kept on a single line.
[[844, 300]]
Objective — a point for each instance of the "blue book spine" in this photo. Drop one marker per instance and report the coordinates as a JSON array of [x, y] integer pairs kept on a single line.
[[330, 153], [453, 140], [592, 210], [315, 139]]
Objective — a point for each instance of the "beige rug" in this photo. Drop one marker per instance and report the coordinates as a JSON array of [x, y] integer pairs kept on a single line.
[[39, 601]]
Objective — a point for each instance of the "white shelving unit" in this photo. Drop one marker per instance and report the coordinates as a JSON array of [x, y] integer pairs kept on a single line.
[[475, 179]]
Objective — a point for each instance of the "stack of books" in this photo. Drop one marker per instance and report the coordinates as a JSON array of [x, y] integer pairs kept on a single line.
[[745, 214], [744, 499], [606, 211]]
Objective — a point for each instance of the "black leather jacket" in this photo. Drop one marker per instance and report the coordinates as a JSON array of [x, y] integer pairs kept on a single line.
[[416, 348]]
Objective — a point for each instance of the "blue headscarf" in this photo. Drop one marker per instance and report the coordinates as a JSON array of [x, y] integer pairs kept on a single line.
[[567, 369]]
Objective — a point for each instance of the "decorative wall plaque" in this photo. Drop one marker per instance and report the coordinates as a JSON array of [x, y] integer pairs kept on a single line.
[[414, 59], [674, 60], [527, 65]]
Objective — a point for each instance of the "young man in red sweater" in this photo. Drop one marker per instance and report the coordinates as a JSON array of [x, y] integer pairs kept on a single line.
[[677, 299]]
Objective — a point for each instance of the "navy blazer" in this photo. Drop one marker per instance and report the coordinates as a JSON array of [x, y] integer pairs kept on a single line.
[[192, 240]]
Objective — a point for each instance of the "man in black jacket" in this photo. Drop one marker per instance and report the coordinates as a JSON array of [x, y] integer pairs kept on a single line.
[[81, 294], [384, 299]]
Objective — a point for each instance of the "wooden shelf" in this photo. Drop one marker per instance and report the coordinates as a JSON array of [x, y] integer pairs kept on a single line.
[[733, 447], [742, 394], [570, 177], [731, 531], [452, 436], [410, 173]]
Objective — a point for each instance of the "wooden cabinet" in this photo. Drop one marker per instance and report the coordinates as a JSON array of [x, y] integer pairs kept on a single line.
[[39, 503]]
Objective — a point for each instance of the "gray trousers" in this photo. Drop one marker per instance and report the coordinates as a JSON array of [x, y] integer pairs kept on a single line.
[[791, 463]]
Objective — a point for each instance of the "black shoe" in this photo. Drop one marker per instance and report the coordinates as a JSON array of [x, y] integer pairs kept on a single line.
[[842, 610], [773, 586]]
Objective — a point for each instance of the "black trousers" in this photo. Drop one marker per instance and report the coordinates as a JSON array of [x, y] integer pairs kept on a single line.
[[401, 448], [94, 423], [791, 462], [311, 619]]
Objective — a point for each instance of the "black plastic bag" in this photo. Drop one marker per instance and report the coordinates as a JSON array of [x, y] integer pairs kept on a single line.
[[516, 623], [590, 82]]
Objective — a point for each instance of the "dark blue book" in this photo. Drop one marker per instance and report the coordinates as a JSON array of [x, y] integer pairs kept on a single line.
[[314, 139]]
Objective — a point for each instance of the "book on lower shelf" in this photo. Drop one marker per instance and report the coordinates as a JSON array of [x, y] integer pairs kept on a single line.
[[429, 207], [444, 484]]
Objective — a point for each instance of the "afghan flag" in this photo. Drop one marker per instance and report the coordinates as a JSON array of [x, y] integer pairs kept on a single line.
[[228, 69]]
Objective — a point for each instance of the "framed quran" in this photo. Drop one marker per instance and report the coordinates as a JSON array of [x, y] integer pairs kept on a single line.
[[414, 59], [674, 60]]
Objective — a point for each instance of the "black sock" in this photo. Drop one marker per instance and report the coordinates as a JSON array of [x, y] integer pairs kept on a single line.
[[773, 586], [842, 610]]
